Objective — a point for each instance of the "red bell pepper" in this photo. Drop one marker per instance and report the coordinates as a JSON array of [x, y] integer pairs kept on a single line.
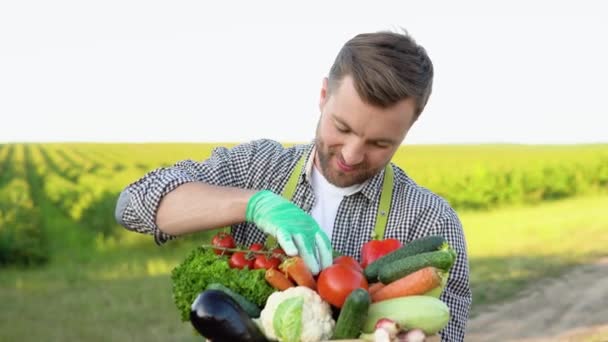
[[375, 249]]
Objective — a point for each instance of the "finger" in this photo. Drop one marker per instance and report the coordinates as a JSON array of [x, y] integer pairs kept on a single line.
[[324, 250], [287, 244], [307, 253]]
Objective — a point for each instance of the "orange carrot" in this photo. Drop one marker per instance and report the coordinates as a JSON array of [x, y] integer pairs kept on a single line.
[[416, 283], [375, 287], [297, 270], [277, 279]]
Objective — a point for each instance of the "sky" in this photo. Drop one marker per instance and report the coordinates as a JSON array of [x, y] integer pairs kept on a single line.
[[531, 72]]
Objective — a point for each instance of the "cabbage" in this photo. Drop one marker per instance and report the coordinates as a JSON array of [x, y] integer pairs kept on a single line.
[[287, 320]]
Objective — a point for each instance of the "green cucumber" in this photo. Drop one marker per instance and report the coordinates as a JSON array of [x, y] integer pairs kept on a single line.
[[250, 308], [411, 312], [442, 259], [425, 244], [352, 315]]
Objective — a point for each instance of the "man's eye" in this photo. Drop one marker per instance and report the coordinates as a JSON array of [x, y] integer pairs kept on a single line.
[[342, 129]]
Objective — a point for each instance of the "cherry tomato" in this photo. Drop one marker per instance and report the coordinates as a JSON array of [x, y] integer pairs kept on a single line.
[[348, 261], [224, 240], [256, 247], [261, 261], [240, 260], [337, 281], [278, 252]]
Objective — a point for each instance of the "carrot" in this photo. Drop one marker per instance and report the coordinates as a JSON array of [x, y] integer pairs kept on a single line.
[[416, 283], [277, 279], [375, 287], [297, 270]]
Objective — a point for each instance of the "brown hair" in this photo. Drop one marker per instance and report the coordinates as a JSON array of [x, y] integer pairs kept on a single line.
[[386, 67]]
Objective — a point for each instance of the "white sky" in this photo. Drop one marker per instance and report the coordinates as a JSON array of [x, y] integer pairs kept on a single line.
[[524, 71]]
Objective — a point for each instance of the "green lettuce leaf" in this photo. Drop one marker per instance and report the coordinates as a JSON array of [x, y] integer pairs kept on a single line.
[[203, 267]]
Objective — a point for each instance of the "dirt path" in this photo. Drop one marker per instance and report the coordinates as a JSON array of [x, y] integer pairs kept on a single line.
[[573, 307]]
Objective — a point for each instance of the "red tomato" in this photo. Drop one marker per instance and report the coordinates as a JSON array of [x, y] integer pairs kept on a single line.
[[348, 261], [261, 261], [240, 260], [337, 281], [222, 239], [256, 247]]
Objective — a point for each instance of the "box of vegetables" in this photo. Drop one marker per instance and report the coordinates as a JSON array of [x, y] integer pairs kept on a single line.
[[255, 293]]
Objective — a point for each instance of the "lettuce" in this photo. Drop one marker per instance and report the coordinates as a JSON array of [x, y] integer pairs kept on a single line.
[[202, 267]]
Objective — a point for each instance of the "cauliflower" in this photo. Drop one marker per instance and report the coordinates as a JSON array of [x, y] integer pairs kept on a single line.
[[297, 314]]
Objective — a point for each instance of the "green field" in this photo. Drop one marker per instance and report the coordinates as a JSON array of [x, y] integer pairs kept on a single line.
[[69, 273]]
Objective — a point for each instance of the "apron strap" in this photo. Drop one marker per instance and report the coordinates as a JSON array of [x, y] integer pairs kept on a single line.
[[288, 192], [385, 203], [290, 188]]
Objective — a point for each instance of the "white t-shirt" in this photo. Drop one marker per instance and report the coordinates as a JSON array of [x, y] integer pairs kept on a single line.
[[327, 200]]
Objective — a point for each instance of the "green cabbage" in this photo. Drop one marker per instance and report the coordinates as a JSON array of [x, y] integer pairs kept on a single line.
[[287, 319]]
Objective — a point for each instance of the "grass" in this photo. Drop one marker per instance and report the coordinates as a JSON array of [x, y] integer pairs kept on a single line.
[[120, 294], [136, 309], [511, 248], [120, 289], [599, 337]]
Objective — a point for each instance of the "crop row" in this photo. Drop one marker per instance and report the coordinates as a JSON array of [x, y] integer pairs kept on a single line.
[[22, 237]]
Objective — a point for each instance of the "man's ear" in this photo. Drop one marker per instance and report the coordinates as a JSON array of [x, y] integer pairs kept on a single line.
[[324, 96]]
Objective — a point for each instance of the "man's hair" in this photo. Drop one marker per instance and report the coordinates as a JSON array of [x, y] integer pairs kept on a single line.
[[386, 67]]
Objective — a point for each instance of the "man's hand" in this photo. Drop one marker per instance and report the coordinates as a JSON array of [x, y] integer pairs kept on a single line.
[[295, 230]]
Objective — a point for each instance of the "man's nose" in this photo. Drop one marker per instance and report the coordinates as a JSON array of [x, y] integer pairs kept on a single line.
[[353, 153]]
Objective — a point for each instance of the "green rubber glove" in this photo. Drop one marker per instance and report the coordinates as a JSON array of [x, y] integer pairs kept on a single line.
[[295, 230]]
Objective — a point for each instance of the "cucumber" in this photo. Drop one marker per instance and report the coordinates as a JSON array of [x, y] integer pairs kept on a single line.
[[411, 312], [442, 260], [421, 245], [353, 315], [250, 308]]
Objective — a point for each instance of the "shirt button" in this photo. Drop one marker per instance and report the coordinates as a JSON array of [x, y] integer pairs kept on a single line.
[[306, 207]]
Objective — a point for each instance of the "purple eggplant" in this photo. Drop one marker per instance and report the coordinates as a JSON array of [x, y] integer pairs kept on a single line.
[[218, 317]]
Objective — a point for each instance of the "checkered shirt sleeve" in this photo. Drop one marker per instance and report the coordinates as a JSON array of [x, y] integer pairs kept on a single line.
[[259, 164]]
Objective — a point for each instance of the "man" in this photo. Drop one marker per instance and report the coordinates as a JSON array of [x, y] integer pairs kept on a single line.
[[377, 88]]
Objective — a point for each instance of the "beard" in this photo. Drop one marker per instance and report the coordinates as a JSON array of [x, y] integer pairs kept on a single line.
[[327, 160]]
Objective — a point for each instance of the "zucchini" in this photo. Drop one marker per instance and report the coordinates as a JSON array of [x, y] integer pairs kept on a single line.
[[250, 308], [394, 270], [411, 312], [353, 315], [421, 245]]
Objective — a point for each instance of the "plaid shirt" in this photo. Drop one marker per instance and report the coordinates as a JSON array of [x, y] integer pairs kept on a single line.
[[265, 164]]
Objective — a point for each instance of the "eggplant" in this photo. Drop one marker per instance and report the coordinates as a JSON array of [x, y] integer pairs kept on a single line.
[[218, 317]]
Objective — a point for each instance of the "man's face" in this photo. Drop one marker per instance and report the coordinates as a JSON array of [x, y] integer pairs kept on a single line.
[[355, 140]]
